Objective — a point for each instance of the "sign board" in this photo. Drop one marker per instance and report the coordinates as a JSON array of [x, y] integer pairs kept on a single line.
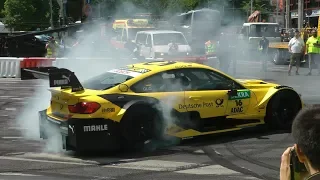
[[313, 13]]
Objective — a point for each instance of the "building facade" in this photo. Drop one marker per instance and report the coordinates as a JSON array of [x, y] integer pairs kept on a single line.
[[312, 12]]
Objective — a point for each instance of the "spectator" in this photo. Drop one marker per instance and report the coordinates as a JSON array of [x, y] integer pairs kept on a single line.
[[263, 47], [306, 133], [296, 47], [313, 48]]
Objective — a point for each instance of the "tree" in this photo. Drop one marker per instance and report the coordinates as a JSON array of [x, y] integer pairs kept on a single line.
[[263, 6], [27, 14], [1, 9]]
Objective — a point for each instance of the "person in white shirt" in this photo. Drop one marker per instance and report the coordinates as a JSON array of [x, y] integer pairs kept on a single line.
[[296, 47]]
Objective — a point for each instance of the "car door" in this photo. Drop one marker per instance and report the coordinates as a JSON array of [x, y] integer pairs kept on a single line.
[[206, 100], [211, 89], [148, 47], [141, 41], [171, 98]]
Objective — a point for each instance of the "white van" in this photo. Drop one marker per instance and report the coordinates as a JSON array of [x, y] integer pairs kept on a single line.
[[155, 44]]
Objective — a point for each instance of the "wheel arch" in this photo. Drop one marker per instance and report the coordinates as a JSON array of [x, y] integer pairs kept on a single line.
[[263, 104]]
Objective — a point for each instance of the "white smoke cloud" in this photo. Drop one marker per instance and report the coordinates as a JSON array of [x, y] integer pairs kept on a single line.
[[90, 58]]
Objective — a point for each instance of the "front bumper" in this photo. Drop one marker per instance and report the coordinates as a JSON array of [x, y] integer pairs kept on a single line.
[[81, 134]]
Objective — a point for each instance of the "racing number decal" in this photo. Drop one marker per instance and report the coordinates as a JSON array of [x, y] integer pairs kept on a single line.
[[160, 63], [239, 108], [238, 102]]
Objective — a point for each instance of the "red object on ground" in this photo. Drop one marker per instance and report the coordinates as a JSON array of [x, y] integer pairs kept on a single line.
[[36, 62]]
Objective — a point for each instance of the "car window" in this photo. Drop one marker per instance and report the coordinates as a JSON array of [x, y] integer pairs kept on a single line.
[[141, 39], [162, 39], [149, 40], [204, 79], [169, 81]]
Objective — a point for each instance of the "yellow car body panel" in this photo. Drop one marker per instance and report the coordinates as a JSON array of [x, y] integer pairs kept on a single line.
[[246, 108]]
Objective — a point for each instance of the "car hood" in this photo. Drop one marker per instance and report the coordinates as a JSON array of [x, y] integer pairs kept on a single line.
[[258, 83]]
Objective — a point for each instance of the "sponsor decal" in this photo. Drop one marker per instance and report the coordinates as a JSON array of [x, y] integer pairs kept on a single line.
[[95, 128], [237, 110], [61, 106], [189, 106], [199, 105], [125, 72], [219, 102], [241, 94], [107, 110], [72, 128], [60, 82], [147, 88]]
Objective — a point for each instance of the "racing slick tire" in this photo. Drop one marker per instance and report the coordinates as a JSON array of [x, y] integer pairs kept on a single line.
[[282, 109], [141, 125]]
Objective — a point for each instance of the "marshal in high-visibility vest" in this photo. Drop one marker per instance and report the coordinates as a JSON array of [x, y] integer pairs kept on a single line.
[[52, 48], [210, 48]]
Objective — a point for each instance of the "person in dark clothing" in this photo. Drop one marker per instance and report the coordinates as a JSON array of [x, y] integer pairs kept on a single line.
[[263, 47], [305, 132]]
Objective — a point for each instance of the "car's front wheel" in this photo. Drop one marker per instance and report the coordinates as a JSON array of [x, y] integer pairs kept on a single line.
[[282, 109]]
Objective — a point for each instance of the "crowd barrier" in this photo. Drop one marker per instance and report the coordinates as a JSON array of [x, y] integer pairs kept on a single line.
[[11, 67]]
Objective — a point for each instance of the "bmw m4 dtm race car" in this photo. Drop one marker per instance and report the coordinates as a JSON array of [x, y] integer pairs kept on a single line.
[[146, 101]]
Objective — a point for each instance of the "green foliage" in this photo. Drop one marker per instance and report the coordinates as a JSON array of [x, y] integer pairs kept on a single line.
[[263, 6], [27, 14], [2, 9]]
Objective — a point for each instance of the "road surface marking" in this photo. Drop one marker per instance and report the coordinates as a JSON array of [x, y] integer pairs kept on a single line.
[[17, 174], [19, 99], [41, 161], [11, 109], [209, 170], [8, 97], [153, 165], [8, 137], [199, 151], [17, 128]]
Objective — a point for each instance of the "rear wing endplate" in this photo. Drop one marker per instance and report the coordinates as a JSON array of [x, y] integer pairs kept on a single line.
[[58, 77]]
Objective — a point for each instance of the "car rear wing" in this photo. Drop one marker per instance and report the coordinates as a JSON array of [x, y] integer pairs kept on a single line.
[[58, 77]]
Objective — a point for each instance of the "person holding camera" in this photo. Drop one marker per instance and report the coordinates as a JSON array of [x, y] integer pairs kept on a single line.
[[302, 161]]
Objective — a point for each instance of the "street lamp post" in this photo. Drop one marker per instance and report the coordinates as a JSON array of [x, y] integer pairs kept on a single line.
[[251, 6], [51, 13]]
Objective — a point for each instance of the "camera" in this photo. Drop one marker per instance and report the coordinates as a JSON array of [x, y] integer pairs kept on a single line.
[[296, 166]]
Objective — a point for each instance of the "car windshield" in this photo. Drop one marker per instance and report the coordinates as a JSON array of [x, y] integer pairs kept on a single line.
[[133, 31], [113, 78], [260, 30], [105, 81], [166, 38]]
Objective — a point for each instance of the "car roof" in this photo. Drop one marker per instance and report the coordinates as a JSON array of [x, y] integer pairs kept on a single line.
[[159, 32], [158, 66]]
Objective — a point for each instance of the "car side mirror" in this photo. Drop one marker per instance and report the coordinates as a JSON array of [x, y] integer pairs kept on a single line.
[[232, 92]]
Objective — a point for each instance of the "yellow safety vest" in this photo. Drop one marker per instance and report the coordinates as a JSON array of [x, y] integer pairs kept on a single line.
[[210, 48], [49, 51], [311, 48]]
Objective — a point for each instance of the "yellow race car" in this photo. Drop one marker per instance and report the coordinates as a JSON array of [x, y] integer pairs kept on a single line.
[[153, 100]]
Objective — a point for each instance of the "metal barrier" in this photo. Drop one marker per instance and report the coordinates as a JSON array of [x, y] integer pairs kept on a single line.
[[10, 67]]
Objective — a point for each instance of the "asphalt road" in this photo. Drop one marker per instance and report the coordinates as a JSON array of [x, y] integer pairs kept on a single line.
[[250, 154]]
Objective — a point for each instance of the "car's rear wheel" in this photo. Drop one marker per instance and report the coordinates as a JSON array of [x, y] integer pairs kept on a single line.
[[282, 109], [141, 125]]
